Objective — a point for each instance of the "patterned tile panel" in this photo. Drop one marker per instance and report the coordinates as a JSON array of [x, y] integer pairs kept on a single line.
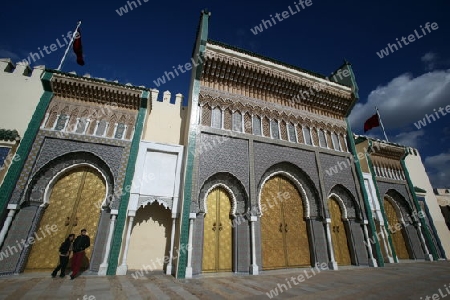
[[12, 245], [359, 247], [267, 155], [48, 147], [415, 242], [271, 158], [384, 187], [223, 154]]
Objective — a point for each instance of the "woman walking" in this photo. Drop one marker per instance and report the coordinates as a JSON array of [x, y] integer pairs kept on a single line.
[[64, 252]]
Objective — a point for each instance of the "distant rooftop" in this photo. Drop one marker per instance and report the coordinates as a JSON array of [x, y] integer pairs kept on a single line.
[[360, 138]]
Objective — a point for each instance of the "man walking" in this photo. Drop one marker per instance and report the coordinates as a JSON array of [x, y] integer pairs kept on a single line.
[[79, 245]]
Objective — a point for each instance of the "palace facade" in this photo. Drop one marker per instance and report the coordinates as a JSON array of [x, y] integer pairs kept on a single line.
[[260, 171]]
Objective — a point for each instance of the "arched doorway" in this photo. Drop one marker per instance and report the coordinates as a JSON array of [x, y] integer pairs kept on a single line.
[[217, 233], [150, 238], [397, 236], [338, 234], [71, 207], [284, 235]]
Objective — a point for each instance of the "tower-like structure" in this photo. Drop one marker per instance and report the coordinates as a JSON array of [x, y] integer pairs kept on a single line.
[[269, 181]]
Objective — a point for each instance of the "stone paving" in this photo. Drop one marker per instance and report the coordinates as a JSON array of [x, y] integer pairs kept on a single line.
[[406, 280]]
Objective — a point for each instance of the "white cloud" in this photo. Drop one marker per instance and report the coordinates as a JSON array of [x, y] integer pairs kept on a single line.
[[438, 169], [405, 100], [430, 60], [410, 139]]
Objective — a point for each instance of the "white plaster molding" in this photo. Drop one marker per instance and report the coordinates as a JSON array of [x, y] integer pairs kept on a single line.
[[341, 204], [299, 186], [54, 180], [230, 194], [138, 180]]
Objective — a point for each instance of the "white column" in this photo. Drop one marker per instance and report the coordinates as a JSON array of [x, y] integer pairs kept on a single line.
[[6, 225], [261, 125], [372, 260], [270, 128], [332, 264], [303, 134], [104, 264], [188, 274], [199, 114], [385, 173], [296, 132], [222, 121], [428, 256], [254, 270], [345, 141], [387, 246], [123, 268], [279, 130], [172, 240]]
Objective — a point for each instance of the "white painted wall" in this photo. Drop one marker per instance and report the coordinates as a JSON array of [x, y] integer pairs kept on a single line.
[[150, 238], [166, 121], [19, 94], [420, 179], [158, 174]]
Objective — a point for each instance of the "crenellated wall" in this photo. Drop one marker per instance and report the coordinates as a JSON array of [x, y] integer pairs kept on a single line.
[[20, 91], [166, 119]]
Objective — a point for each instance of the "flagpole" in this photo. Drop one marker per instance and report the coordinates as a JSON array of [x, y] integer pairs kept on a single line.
[[381, 123], [68, 47]]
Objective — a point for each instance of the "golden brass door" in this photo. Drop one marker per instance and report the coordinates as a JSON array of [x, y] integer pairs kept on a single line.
[[217, 233], [338, 234], [272, 227], [397, 236], [71, 208], [284, 235]]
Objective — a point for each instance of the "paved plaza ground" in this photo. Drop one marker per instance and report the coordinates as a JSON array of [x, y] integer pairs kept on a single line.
[[406, 280]]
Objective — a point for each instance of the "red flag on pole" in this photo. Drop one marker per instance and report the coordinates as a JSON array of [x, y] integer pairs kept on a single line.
[[78, 48], [372, 122]]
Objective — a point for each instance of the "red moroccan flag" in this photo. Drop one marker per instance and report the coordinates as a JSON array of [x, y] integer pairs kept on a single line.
[[371, 122], [77, 48]]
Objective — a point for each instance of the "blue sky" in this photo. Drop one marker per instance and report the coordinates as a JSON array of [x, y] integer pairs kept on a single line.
[[139, 46]]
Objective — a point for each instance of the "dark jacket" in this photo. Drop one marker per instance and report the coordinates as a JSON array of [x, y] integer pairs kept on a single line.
[[81, 242], [65, 247]]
